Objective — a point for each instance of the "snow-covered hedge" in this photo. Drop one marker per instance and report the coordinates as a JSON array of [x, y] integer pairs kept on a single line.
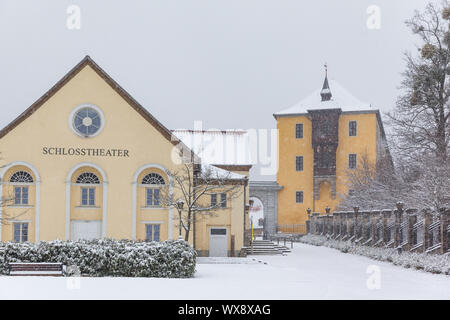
[[422, 261], [107, 257]]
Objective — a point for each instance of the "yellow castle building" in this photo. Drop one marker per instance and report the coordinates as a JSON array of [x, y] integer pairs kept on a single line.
[[86, 160], [320, 139]]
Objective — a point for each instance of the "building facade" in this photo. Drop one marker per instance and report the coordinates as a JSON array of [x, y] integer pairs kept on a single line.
[[320, 139], [87, 161]]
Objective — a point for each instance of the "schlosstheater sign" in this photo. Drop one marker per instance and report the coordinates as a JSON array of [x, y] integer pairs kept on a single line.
[[71, 151]]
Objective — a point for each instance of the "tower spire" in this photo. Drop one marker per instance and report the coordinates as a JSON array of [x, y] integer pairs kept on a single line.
[[325, 93]]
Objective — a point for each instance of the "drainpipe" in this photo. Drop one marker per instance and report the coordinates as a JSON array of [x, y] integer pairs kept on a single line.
[[245, 204]]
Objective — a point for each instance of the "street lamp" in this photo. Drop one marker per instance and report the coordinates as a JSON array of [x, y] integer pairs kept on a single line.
[[180, 205]]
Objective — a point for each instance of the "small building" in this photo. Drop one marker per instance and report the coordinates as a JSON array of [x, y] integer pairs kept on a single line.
[[86, 160], [320, 138]]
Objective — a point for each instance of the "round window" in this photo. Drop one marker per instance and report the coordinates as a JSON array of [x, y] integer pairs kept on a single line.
[[87, 121]]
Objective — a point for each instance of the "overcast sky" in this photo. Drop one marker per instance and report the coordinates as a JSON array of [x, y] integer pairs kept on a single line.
[[229, 63]]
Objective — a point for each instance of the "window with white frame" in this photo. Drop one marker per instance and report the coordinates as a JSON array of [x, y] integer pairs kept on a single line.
[[21, 195], [299, 163], [299, 130], [87, 192], [20, 231], [223, 200], [18, 179], [87, 196], [152, 197], [153, 183], [352, 126], [152, 232], [88, 178], [21, 177], [299, 196], [213, 199], [352, 161]]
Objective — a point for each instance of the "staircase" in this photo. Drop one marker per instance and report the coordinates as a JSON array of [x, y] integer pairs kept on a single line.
[[266, 247]]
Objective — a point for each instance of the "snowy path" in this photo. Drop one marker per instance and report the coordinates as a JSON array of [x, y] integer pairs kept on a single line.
[[307, 273]]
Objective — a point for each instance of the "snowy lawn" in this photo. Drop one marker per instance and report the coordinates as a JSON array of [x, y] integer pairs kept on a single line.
[[308, 272]]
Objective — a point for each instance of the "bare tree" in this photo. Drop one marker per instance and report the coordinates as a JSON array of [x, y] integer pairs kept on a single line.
[[193, 190], [371, 186], [420, 120], [5, 202]]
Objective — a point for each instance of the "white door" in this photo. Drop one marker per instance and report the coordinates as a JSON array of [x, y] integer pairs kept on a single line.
[[218, 242], [85, 229]]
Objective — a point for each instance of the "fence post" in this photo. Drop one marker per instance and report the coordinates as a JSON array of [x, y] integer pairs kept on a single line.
[[386, 215], [428, 219], [445, 222], [412, 219], [374, 216], [316, 222], [337, 225], [397, 225], [344, 219], [355, 223], [308, 222]]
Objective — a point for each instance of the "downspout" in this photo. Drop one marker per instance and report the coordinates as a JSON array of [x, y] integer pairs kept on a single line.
[[245, 204]]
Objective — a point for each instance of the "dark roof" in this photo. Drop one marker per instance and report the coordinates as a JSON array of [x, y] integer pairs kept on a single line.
[[326, 92]]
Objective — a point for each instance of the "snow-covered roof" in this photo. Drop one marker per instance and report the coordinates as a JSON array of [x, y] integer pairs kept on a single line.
[[213, 172], [223, 147], [340, 98]]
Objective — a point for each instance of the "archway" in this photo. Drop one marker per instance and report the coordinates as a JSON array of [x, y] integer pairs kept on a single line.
[[86, 200], [147, 216], [256, 216]]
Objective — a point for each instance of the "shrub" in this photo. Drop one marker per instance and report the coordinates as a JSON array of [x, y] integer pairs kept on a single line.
[[107, 257]]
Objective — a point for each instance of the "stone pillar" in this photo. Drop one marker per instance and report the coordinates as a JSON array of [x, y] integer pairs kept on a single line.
[[428, 219], [308, 222], [315, 216], [411, 215], [445, 222]]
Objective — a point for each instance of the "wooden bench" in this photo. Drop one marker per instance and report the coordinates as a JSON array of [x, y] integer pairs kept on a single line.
[[36, 269]]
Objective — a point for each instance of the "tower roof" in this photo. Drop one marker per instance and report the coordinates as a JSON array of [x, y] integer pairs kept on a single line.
[[336, 97], [325, 93]]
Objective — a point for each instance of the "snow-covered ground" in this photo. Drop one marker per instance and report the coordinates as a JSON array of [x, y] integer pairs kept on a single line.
[[309, 272]]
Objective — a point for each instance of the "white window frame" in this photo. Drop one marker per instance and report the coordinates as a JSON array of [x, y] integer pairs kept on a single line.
[[88, 187], [74, 112]]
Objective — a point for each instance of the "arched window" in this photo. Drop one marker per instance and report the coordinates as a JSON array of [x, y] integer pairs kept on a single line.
[[21, 177], [88, 193], [21, 192], [88, 178], [153, 178], [152, 193]]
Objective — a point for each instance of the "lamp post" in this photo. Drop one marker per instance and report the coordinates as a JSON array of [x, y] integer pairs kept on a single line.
[[179, 206]]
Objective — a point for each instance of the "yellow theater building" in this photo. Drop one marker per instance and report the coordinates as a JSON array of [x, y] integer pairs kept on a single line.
[[86, 160], [320, 139]]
